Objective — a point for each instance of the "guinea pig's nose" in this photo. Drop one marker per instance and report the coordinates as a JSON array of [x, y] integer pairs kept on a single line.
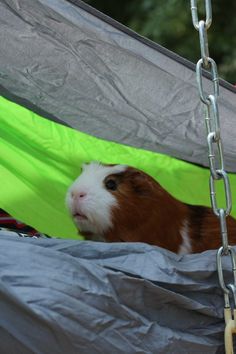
[[78, 195]]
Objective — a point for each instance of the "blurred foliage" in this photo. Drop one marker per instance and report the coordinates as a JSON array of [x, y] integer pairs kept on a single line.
[[168, 22]]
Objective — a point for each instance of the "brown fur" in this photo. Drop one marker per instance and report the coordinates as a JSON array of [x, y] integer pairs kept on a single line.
[[147, 213]]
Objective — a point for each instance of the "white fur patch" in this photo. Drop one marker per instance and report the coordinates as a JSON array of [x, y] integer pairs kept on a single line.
[[185, 247], [98, 202]]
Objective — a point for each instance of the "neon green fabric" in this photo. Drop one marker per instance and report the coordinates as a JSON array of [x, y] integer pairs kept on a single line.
[[40, 159]]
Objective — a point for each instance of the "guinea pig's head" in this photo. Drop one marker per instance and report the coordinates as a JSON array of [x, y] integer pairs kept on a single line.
[[107, 196], [90, 199]]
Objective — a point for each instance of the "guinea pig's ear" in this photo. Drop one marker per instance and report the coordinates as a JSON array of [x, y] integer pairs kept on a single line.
[[141, 182]]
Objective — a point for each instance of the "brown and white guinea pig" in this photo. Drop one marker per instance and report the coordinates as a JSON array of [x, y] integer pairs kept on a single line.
[[119, 203]]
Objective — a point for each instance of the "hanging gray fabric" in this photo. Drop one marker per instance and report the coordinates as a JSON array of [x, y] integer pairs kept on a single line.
[[67, 60]]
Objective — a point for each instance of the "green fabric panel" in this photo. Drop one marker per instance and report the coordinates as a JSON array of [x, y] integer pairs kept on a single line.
[[40, 159]]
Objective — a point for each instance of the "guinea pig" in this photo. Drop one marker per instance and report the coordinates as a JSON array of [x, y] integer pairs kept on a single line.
[[118, 203]]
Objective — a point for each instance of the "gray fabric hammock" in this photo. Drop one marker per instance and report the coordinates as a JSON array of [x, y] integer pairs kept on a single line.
[[81, 297]]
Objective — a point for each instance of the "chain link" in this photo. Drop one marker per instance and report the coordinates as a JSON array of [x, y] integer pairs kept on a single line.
[[204, 44], [194, 12], [212, 156], [224, 232], [223, 175], [215, 79], [215, 151], [220, 254]]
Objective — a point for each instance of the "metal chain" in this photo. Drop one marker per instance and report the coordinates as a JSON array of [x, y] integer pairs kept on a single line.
[[215, 154]]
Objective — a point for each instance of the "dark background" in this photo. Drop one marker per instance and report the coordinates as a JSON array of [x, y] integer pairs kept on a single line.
[[168, 22]]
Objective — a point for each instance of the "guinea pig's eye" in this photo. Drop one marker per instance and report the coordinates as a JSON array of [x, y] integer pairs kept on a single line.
[[111, 184]]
